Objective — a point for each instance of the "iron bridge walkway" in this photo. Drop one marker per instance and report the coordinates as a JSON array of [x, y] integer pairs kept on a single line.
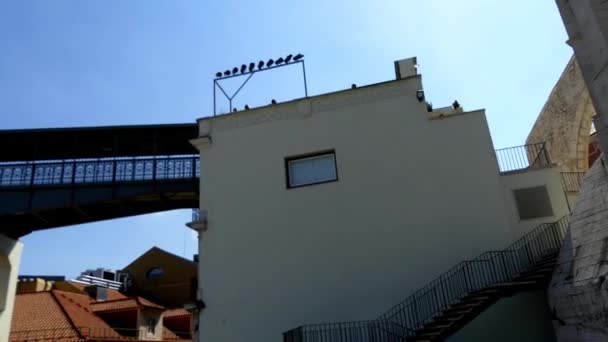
[[59, 177]]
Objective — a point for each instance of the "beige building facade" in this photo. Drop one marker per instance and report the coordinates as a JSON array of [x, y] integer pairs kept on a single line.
[[336, 207]]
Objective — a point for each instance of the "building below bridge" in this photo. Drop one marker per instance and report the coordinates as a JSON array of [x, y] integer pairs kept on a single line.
[[70, 311], [106, 305]]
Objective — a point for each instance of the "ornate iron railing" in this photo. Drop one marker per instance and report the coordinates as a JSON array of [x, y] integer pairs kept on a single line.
[[572, 181], [526, 157], [91, 171], [419, 308]]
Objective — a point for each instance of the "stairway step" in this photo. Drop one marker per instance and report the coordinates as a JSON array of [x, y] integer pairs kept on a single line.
[[457, 311], [515, 285], [432, 330], [438, 324], [457, 314], [486, 292], [544, 261], [532, 277], [475, 298], [549, 256], [547, 263], [542, 269], [466, 304], [447, 319], [424, 337], [418, 339]]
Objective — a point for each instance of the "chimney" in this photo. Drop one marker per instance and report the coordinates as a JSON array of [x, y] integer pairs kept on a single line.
[[406, 68], [99, 293]]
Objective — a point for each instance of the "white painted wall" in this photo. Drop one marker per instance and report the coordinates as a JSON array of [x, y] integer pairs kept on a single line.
[[143, 316], [551, 179], [414, 197], [10, 256]]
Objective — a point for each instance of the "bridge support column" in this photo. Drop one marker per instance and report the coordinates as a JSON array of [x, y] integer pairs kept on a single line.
[[10, 256]]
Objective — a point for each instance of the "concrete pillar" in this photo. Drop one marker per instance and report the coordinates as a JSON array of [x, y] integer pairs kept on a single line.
[[10, 256]]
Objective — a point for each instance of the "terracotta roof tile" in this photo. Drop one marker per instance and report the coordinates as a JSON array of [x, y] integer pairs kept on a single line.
[[146, 303], [112, 294], [176, 313], [169, 335], [78, 309], [60, 315], [124, 304], [38, 316]]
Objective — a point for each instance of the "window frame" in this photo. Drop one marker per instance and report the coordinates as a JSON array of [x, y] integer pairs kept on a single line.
[[291, 159], [153, 273]]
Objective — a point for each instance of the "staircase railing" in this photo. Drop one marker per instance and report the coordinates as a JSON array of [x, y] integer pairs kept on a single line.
[[405, 318], [572, 181]]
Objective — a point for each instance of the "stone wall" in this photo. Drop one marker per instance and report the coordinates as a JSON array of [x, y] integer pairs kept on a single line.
[[564, 122], [586, 22], [578, 292]]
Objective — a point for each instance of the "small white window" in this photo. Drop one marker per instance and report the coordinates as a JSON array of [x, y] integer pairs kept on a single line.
[[311, 169]]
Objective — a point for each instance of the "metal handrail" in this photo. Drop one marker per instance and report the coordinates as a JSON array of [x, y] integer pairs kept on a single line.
[[94, 171], [525, 157], [488, 269], [572, 181]]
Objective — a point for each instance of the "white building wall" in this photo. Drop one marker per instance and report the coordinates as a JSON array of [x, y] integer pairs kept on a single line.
[[414, 197]]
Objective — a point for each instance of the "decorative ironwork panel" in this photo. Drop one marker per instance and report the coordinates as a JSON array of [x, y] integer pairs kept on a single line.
[[88, 171]]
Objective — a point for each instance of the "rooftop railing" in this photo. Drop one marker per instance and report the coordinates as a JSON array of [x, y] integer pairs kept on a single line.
[[422, 306], [93, 171], [521, 158]]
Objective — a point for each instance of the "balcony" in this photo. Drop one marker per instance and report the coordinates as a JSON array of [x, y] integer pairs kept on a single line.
[[523, 158], [199, 220]]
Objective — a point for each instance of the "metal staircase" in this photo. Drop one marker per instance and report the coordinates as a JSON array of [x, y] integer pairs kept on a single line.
[[449, 302]]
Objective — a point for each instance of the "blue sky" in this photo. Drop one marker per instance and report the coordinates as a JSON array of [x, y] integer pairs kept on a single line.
[[90, 63]]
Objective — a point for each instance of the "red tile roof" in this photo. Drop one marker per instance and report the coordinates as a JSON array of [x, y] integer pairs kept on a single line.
[[176, 313], [78, 309], [112, 294], [67, 316], [38, 316], [56, 315], [124, 304], [169, 335]]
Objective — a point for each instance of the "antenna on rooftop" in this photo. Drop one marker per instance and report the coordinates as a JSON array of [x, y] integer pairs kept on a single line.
[[250, 70]]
